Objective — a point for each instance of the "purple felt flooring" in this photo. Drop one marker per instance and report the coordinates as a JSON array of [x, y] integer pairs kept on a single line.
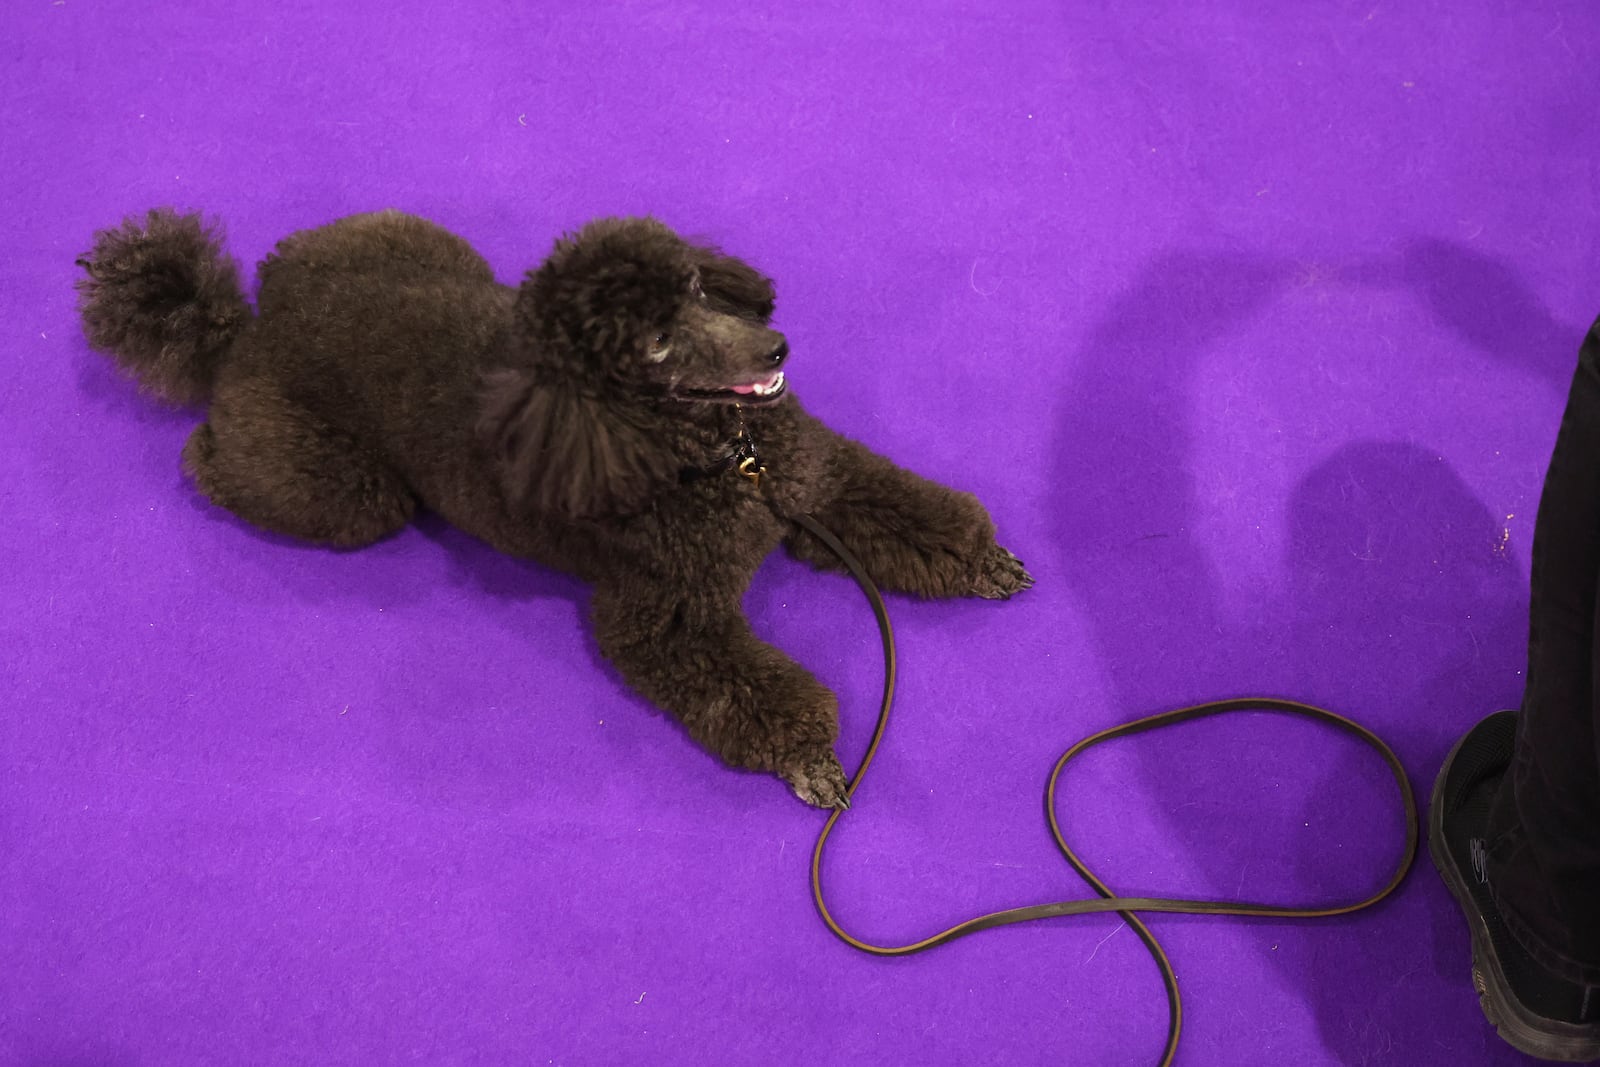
[[1253, 331]]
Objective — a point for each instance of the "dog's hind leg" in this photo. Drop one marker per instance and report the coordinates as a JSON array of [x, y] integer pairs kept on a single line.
[[739, 697], [277, 467]]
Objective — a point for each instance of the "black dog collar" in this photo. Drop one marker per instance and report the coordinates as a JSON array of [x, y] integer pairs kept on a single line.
[[744, 458]]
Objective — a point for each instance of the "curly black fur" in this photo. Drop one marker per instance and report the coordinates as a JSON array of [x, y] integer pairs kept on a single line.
[[571, 420], [163, 299]]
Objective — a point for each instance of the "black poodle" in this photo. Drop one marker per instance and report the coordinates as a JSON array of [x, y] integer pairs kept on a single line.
[[621, 415]]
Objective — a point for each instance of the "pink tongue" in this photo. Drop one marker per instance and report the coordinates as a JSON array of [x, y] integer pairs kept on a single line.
[[744, 388]]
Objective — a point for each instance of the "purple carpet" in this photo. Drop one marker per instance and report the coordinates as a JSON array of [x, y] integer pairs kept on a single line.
[[1254, 336]]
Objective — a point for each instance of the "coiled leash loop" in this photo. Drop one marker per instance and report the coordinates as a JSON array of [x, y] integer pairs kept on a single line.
[[1123, 906]]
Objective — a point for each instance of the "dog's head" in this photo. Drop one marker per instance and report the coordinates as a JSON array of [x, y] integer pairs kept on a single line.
[[625, 328]]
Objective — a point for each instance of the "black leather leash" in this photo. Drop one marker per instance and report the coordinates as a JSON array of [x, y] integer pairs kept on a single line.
[[1123, 906]]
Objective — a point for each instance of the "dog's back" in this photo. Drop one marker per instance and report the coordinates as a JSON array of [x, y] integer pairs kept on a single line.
[[353, 388], [387, 247], [383, 323], [382, 326]]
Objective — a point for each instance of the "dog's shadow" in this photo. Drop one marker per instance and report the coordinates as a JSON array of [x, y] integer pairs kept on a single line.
[[509, 579], [540, 610], [510, 582]]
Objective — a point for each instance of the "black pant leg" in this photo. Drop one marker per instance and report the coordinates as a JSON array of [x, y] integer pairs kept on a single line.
[[1544, 829]]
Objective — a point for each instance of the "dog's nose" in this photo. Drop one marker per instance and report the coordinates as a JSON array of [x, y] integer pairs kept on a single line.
[[779, 354]]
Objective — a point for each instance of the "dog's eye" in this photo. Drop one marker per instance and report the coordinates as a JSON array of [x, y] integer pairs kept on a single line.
[[659, 349]]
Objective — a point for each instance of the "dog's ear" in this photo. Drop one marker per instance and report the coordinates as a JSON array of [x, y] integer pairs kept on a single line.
[[561, 451], [732, 285]]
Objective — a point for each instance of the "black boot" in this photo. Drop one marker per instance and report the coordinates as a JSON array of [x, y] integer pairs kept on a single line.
[[1536, 1012]]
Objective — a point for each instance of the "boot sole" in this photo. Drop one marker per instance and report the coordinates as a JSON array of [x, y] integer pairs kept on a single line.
[[1546, 1039]]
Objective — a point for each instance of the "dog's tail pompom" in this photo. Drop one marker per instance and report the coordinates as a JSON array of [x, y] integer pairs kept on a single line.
[[163, 299]]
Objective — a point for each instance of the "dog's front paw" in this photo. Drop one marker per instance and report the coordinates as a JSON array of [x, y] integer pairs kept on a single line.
[[818, 779], [1001, 575]]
